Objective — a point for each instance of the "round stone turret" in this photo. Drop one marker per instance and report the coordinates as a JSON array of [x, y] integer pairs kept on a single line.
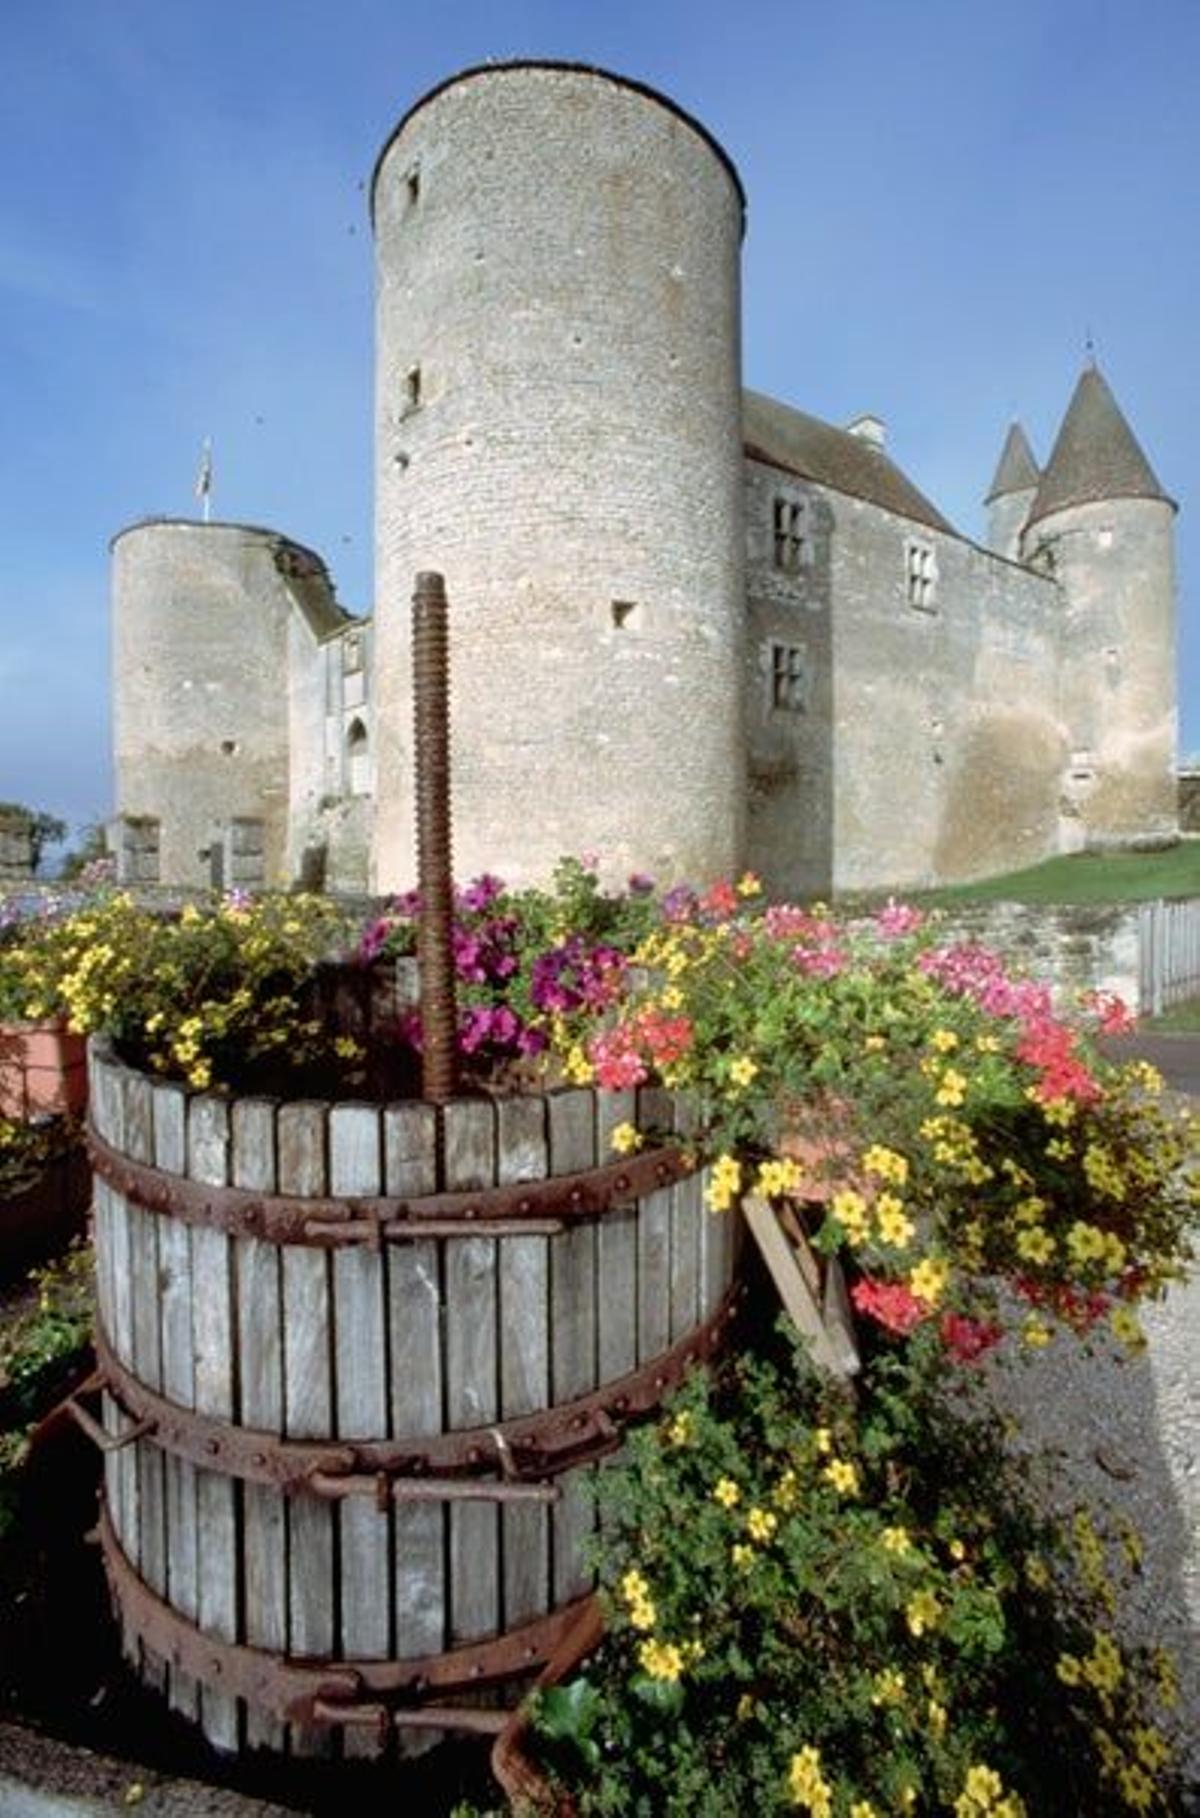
[[558, 433], [200, 616], [1101, 524], [1011, 494]]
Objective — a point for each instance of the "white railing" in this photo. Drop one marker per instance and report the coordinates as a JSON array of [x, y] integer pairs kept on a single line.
[[1168, 955]]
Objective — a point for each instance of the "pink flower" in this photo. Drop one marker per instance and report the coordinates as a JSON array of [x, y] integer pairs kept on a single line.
[[1112, 1012], [890, 1304], [968, 1339], [896, 919]]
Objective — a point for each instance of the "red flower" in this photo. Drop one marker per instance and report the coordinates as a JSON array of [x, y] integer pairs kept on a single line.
[[889, 1303], [968, 1339]]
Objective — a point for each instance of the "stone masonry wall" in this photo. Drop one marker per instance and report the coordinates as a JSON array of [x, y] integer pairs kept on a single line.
[[558, 431]]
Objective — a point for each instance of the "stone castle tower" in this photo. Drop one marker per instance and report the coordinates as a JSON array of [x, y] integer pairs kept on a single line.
[[691, 628]]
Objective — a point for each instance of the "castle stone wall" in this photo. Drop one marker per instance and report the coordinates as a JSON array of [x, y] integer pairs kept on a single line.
[[1114, 562], [200, 631], [947, 750], [789, 685], [558, 432]]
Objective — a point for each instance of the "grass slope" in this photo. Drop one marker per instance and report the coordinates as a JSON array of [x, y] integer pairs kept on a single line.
[[1088, 877]]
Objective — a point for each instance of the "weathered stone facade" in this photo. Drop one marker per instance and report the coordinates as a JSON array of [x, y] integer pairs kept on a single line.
[[691, 628]]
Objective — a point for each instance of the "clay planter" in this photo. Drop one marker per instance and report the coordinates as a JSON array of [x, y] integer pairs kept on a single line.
[[46, 1215], [526, 1786], [43, 1070]]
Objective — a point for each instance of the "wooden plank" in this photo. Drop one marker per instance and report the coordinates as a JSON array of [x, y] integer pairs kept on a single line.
[[125, 1487], [522, 1153], [178, 1379], [361, 1401], [802, 1306], [260, 1380], [655, 1112], [573, 1290], [616, 1253], [147, 1353], [213, 1334], [687, 1215], [414, 1332], [472, 1386], [308, 1404]]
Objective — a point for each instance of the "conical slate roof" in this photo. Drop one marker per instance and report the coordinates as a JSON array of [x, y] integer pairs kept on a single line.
[[1096, 455], [1017, 471]]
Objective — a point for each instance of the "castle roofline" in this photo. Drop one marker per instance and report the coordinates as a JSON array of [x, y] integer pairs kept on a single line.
[[302, 571], [1096, 457], [249, 530], [1017, 470], [475, 70], [797, 443]]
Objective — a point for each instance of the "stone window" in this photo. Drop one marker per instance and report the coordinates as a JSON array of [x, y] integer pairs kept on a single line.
[[412, 389], [412, 184], [789, 678], [920, 575], [790, 542], [352, 652], [358, 763]]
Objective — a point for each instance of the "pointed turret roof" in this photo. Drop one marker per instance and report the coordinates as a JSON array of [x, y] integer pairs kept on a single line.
[[1096, 455], [1017, 470]]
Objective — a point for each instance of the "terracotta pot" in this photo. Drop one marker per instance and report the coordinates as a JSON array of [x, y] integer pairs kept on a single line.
[[43, 1070], [527, 1788]]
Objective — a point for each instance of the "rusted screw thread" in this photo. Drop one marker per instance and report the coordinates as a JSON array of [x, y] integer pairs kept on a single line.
[[431, 717]]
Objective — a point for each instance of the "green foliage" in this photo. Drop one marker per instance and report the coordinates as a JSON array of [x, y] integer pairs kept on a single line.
[[40, 1339], [851, 1606], [27, 1148]]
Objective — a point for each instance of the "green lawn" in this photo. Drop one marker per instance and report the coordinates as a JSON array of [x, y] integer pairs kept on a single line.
[[1087, 877], [1184, 1019]]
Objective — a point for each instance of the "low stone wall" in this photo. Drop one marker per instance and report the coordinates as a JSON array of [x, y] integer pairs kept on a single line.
[[1074, 947]]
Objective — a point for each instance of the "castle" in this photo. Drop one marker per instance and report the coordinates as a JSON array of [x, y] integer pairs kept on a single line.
[[692, 628]]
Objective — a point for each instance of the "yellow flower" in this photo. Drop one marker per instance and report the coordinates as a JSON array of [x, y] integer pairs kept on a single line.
[[626, 1139], [944, 1041], [743, 1070], [922, 1611], [741, 1554], [634, 1586], [928, 1280], [842, 1475], [746, 1707], [873, 1043], [862, 1808], [724, 1183], [1127, 1329], [776, 1177], [889, 1686], [726, 1492], [896, 1540], [982, 1787], [823, 1439], [807, 1785], [1137, 1788], [671, 998], [850, 1210], [935, 1717], [748, 884], [885, 1164], [1035, 1334], [987, 1044], [952, 1088], [1037, 1572], [761, 1524], [1035, 1244], [1057, 1111], [1152, 1751], [1103, 1667], [895, 1227], [577, 1067], [642, 1613], [661, 1660], [680, 1430]]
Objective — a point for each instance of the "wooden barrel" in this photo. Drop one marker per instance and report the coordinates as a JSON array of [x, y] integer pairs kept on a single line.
[[360, 1362]]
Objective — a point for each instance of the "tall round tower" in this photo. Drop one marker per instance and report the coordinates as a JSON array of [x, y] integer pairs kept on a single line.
[[200, 619], [1102, 525], [558, 431]]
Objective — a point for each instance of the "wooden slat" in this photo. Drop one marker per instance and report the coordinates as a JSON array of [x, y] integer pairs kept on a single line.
[[472, 1386], [218, 1538], [260, 1378], [616, 1253], [655, 1113], [522, 1154], [361, 1401], [573, 1289], [147, 1353], [308, 1403], [414, 1332], [687, 1215], [178, 1379]]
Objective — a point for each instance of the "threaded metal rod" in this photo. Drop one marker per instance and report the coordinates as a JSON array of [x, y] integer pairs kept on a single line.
[[435, 931]]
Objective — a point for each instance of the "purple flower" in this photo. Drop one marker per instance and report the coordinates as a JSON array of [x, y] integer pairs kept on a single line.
[[480, 893], [640, 884], [679, 904]]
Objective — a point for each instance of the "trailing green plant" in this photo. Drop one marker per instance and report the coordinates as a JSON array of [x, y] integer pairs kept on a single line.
[[851, 1607], [42, 1338], [27, 1148]]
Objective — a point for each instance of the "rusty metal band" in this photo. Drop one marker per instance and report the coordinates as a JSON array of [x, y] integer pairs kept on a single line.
[[289, 1219], [493, 1461], [335, 1691]]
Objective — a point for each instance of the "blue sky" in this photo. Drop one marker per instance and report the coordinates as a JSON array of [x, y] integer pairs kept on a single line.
[[945, 198]]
